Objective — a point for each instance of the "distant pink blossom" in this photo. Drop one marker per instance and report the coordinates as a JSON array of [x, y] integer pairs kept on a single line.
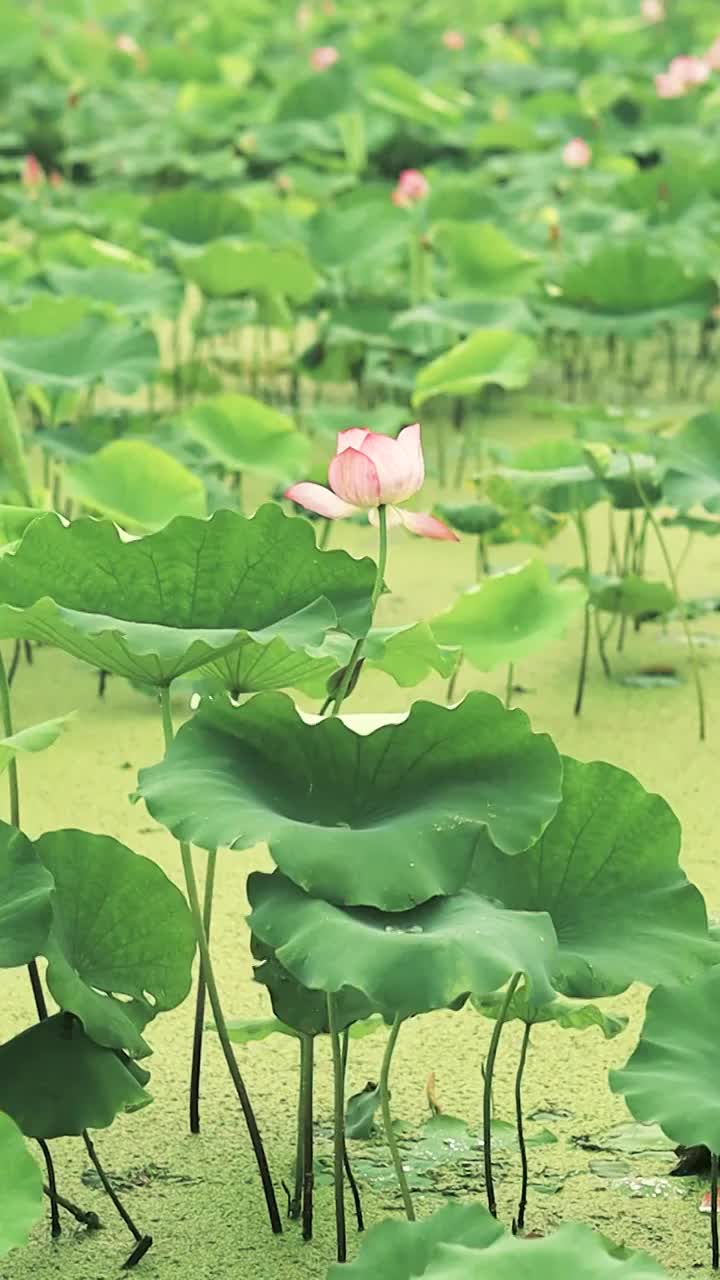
[[370, 470], [684, 72], [303, 16], [453, 40], [325, 56], [55, 178], [576, 153], [33, 174], [652, 10], [669, 86], [712, 57], [328, 8], [412, 186], [125, 43]]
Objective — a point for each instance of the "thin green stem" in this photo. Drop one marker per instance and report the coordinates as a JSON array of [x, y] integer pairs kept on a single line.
[[582, 533], [694, 661], [452, 683], [347, 680], [522, 1204], [307, 1065], [352, 1183], [200, 999], [487, 1091], [387, 1119], [7, 721], [509, 684], [338, 1130], [295, 1204], [214, 997], [714, 1161]]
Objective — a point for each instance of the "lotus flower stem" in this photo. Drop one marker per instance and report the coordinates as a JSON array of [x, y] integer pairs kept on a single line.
[[338, 1130], [347, 681], [55, 1228], [487, 1090], [692, 651], [582, 532], [714, 1210], [307, 1065], [452, 683], [11, 446], [387, 1119], [509, 684], [196, 1064], [86, 1217], [354, 1189], [522, 1203], [142, 1242], [215, 1004]]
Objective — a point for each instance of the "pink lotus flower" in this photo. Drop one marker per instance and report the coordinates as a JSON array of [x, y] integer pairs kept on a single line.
[[712, 57], [690, 70], [576, 153], [652, 10], [412, 186], [668, 86], [453, 40], [368, 471], [33, 174], [125, 43], [325, 56]]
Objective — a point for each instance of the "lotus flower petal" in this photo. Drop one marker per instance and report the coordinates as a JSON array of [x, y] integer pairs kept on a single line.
[[426, 526], [353, 477], [315, 497]]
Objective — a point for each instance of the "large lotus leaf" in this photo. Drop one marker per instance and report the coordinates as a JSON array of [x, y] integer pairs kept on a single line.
[[606, 869], [156, 607], [631, 596], [357, 236], [621, 277], [227, 267], [123, 358], [37, 737], [133, 293], [300, 1008], [398, 93], [463, 315], [403, 1250], [120, 928], [21, 1188], [482, 259], [405, 962], [574, 1015], [136, 484], [13, 523], [508, 616], [315, 97], [247, 435], [671, 1078], [555, 474], [388, 819], [693, 465], [574, 1251], [55, 1081], [194, 216], [25, 896], [490, 356], [80, 250], [43, 316], [407, 654]]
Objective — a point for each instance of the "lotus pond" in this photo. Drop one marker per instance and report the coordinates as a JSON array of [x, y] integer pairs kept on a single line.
[[359, 502]]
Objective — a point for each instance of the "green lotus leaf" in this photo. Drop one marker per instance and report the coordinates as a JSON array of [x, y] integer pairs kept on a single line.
[[395, 91], [37, 737], [574, 1251], [407, 654], [574, 1015], [356, 236], [387, 819], [119, 928], [479, 518], [55, 1081], [250, 1030], [78, 249], [315, 97], [406, 962], [25, 897], [632, 596], [360, 1111], [136, 484], [156, 607], [556, 475], [670, 1079], [508, 616], [21, 1188], [482, 259], [123, 358], [13, 523], [130, 292], [693, 465], [403, 1250], [247, 435], [43, 316], [462, 316], [300, 1008], [606, 869], [194, 216], [620, 277], [227, 267], [490, 356]]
